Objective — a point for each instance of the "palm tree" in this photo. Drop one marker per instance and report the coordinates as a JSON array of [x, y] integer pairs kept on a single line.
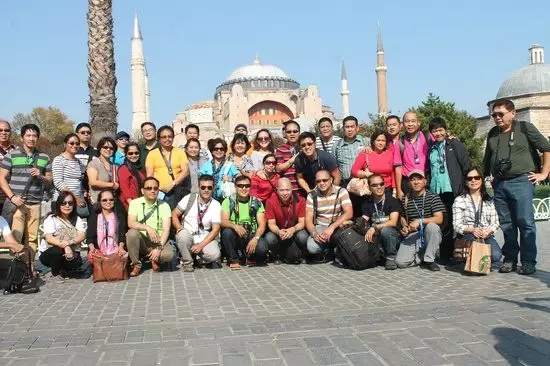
[[101, 68]]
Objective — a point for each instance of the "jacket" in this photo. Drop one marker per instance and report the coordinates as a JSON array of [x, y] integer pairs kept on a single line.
[[91, 231], [457, 161]]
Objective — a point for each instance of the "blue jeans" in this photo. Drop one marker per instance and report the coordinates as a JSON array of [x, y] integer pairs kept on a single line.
[[514, 204], [496, 253]]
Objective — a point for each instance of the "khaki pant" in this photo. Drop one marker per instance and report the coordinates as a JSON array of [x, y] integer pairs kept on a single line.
[[210, 253], [26, 220], [140, 245]]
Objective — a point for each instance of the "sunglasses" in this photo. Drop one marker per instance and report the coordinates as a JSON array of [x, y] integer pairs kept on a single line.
[[108, 200], [133, 153], [123, 139], [107, 148], [263, 139], [306, 144], [151, 188], [472, 178], [218, 149], [270, 162], [207, 188], [377, 185], [322, 180], [5, 130], [85, 132], [240, 130], [243, 185], [72, 143], [291, 131], [67, 203]]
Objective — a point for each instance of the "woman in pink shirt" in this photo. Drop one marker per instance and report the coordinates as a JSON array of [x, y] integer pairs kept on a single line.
[[379, 161]]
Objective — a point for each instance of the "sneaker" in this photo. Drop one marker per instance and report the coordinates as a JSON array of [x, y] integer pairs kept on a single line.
[[235, 266], [432, 266], [188, 268], [527, 269], [508, 266], [390, 265], [215, 265], [276, 262]]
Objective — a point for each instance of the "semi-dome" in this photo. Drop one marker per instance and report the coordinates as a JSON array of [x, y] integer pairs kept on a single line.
[[257, 71], [531, 79]]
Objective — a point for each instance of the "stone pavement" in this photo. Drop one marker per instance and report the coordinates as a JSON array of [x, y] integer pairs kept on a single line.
[[284, 315]]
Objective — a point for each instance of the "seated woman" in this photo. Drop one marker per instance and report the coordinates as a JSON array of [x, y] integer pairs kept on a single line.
[[106, 232], [63, 232], [475, 216], [264, 182]]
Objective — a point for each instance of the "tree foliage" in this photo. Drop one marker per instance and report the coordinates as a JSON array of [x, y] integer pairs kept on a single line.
[[460, 124]]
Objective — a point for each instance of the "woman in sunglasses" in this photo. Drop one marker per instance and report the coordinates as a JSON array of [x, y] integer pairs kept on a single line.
[[106, 232], [195, 161], [63, 233], [68, 171], [475, 216], [130, 175], [221, 169], [264, 182], [263, 145], [102, 174], [239, 146]]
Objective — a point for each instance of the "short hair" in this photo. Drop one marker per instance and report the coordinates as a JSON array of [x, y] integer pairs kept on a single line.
[[324, 119], [213, 142], [130, 144], [163, 128], [407, 112], [392, 116], [267, 156], [192, 139], [375, 135], [103, 141], [81, 125], [240, 137], [206, 178], [30, 127], [507, 103], [241, 177], [69, 135], [369, 179], [437, 122], [350, 118], [291, 121], [325, 171], [192, 125], [59, 203], [306, 135], [148, 179], [147, 124]]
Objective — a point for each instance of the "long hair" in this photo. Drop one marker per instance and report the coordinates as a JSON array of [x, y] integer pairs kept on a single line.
[[484, 194], [62, 195], [134, 168], [103, 141], [270, 147]]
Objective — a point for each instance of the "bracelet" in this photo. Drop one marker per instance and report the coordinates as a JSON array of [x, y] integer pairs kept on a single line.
[[13, 195]]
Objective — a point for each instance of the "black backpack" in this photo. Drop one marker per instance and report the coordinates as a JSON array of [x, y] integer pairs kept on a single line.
[[16, 277], [354, 252]]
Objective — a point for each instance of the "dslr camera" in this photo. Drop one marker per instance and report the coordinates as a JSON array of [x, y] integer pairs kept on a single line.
[[501, 168]]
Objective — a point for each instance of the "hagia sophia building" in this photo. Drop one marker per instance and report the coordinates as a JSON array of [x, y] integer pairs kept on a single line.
[[259, 95]]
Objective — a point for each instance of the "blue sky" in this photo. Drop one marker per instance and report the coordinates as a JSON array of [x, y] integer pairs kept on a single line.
[[460, 50]]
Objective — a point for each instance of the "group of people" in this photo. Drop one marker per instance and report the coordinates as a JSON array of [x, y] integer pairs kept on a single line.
[[252, 202]]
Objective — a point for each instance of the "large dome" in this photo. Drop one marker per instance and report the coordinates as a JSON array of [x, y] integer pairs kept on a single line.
[[531, 79], [257, 71]]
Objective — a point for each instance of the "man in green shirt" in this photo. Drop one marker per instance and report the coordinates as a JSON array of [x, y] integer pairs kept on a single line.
[[149, 222], [512, 158]]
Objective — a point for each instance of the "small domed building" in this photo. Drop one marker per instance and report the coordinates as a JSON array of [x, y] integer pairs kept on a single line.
[[529, 89]]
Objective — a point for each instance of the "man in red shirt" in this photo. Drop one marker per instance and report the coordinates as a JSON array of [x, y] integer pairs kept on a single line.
[[285, 213]]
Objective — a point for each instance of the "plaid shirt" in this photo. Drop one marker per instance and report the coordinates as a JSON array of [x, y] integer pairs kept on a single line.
[[346, 153], [464, 215]]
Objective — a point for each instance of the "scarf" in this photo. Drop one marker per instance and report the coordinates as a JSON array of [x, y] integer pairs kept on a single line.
[[135, 169], [106, 233]]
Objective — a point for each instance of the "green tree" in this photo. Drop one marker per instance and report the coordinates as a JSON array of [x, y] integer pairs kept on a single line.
[[460, 124], [377, 122]]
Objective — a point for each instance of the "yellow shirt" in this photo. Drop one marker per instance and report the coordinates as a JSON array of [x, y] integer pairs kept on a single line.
[[160, 171]]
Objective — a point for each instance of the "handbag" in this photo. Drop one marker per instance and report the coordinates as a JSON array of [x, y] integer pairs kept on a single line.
[[462, 248], [479, 258], [83, 212], [110, 267], [358, 187], [228, 188]]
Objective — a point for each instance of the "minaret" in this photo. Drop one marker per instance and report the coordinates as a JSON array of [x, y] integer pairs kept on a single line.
[[345, 92], [147, 97], [139, 80], [381, 71]]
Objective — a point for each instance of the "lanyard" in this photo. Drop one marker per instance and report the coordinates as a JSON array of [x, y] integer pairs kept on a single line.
[[420, 214], [478, 211], [157, 212], [201, 213], [215, 173], [441, 156], [415, 148], [106, 229], [168, 163], [421, 226], [381, 207]]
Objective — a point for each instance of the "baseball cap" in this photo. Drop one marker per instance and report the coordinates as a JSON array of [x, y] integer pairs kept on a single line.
[[241, 125], [417, 172], [122, 134]]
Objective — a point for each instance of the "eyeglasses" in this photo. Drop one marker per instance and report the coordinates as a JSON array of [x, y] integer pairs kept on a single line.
[[151, 188], [85, 132], [108, 200], [263, 139], [107, 148], [166, 137], [5, 130], [218, 149], [207, 188], [132, 153], [472, 178], [306, 144], [499, 114], [67, 203], [377, 185], [243, 185], [322, 180], [290, 132], [72, 143], [270, 162]]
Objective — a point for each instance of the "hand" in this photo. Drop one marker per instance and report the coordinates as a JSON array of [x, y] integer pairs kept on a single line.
[[226, 178], [394, 193], [292, 159], [405, 230], [35, 172], [537, 177], [91, 249], [196, 248], [479, 233], [167, 188], [327, 233], [367, 149], [116, 186], [241, 232], [414, 225], [154, 255], [251, 247], [400, 194], [286, 233], [68, 253], [369, 236], [318, 238], [80, 202], [16, 248], [152, 233], [65, 244], [17, 200], [121, 251]]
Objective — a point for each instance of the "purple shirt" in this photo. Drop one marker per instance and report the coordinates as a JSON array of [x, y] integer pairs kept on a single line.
[[414, 155]]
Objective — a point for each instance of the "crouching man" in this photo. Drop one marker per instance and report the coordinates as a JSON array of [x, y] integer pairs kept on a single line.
[[285, 212], [422, 214], [149, 224], [243, 224], [197, 222]]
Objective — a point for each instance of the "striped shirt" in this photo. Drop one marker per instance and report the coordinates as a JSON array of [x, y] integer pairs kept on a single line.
[[67, 174], [19, 164], [4, 152], [346, 153], [417, 207], [327, 210], [464, 215], [283, 154], [329, 146]]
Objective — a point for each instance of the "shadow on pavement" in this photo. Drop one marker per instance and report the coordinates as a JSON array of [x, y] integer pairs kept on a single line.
[[522, 304], [518, 347]]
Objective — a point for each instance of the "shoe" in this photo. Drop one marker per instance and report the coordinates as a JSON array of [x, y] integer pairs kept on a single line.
[[188, 268], [156, 266], [54, 279], [432, 266], [235, 266], [135, 271], [276, 262], [527, 269], [390, 265], [250, 263], [215, 265], [507, 267]]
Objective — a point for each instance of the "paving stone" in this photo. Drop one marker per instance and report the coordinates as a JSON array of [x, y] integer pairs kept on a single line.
[[426, 357], [327, 356], [236, 360], [297, 357], [445, 347], [391, 354], [348, 345], [364, 359], [262, 351], [315, 342], [465, 360], [484, 351]]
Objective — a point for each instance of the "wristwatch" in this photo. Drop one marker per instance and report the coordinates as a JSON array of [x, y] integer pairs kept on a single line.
[[257, 237]]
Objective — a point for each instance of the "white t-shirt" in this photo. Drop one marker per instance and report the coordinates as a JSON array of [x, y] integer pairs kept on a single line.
[[4, 228], [211, 216], [52, 224]]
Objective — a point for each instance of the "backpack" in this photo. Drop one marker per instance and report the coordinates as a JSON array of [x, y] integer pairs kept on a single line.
[[402, 141], [534, 153], [18, 275], [190, 202], [354, 252], [253, 206]]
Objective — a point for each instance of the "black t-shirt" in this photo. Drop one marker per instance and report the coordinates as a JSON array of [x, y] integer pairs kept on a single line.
[[385, 208], [309, 168]]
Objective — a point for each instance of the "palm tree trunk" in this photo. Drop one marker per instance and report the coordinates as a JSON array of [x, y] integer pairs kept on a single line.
[[101, 69]]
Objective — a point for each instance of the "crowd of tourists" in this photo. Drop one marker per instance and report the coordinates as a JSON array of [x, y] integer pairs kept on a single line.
[[409, 192]]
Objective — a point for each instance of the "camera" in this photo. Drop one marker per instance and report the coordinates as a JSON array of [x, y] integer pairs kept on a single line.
[[501, 168], [247, 227]]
